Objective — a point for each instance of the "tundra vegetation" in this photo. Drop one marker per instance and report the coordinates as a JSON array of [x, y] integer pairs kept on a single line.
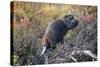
[[29, 22]]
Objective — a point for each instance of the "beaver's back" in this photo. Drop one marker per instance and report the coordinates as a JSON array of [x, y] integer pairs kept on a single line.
[[56, 30]]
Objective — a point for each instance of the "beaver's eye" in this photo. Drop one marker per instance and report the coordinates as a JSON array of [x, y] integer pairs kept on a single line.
[[71, 17]]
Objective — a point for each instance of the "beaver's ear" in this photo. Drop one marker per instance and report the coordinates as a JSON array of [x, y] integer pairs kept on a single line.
[[65, 16], [69, 17], [43, 50]]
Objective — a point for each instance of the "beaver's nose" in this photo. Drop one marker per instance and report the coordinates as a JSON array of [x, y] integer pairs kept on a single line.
[[76, 22]]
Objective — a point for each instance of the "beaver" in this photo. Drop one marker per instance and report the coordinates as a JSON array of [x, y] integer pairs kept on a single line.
[[56, 31]]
